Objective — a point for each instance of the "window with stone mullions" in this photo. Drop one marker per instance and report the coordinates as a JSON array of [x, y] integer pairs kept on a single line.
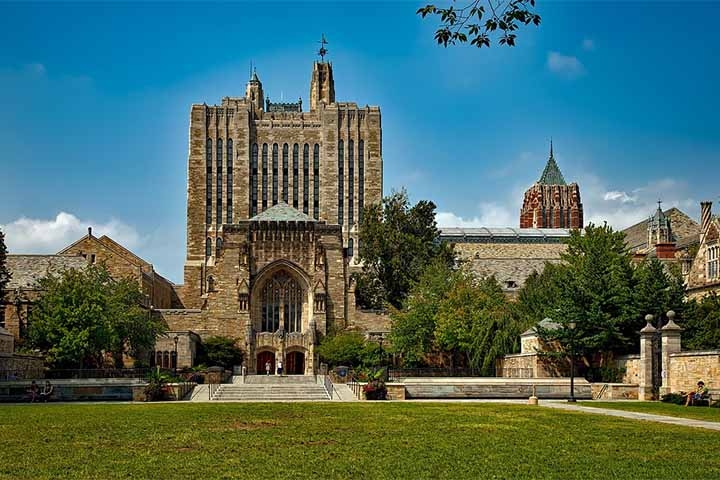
[[253, 180], [361, 178], [713, 262], [275, 174], [229, 180], [341, 182], [285, 173], [351, 182], [264, 176], [219, 201], [296, 151], [208, 181], [306, 178], [316, 181]]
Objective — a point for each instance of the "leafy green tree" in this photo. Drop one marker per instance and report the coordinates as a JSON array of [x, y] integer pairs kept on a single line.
[[85, 315], [4, 273], [221, 351], [656, 289], [477, 324], [397, 242], [413, 327], [702, 323], [477, 21], [538, 295], [343, 348]]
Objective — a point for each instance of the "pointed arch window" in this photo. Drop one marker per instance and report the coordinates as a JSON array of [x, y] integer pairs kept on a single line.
[[285, 173], [282, 301], [208, 181], [219, 201], [361, 178], [208, 247], [275, 174], [350, 250], [306, 178], [295, 174], [253, 180], [264, 176], [341, 181], [351, 182], [218, 246], [229, 180], [316, 181]]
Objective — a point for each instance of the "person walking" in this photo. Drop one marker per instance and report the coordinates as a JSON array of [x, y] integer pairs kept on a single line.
[[280, 368], [268, 366]]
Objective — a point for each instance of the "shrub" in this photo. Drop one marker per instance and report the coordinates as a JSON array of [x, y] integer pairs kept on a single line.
[[221, 352], [676, 398]]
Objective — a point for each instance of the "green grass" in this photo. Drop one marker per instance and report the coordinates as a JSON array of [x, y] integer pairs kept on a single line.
[[659, 408], [333, 440]]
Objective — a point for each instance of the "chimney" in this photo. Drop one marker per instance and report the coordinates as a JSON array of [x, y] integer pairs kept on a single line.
[[705, 215], [89, 231]]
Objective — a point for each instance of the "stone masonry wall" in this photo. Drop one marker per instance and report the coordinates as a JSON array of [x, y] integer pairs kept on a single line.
[[687, 368], [631, 364]]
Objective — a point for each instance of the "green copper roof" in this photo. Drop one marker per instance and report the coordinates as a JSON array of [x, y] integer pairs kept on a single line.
[[551, 175], [282, 212]]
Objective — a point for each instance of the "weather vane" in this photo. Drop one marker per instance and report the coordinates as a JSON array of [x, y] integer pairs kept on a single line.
[[323, 51]]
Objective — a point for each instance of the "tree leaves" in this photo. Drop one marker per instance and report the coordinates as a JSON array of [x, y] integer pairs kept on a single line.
[[457, 25], [4, 273]]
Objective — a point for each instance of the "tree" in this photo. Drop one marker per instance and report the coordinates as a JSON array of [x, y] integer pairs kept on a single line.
[[702, 323], [656, 289], [349, 348], [85, 316], [476, 323], [397, 242], [475, 23], [413, 327], [4, 273], [221, 351]]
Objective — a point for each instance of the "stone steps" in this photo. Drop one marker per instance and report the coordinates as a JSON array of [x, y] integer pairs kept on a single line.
[[277, 392], [279, 380]]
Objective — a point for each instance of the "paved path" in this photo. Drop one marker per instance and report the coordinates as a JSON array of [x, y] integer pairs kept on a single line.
[[684, 422]]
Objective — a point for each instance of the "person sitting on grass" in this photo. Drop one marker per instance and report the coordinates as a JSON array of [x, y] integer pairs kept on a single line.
[[47, 391], [694, 398]]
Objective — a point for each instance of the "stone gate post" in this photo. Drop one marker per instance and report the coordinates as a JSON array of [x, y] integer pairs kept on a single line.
[[646, 360], [670, 344]]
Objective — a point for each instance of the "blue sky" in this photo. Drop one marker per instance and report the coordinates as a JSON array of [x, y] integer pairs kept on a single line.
[[95, 101]]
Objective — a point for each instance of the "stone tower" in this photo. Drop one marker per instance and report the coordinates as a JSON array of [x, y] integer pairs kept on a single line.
[[254, 92], [551, 202], [322, 85], [659, 229]]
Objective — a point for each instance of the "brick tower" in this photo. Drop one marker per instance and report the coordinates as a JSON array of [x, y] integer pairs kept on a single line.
[[550, 202]]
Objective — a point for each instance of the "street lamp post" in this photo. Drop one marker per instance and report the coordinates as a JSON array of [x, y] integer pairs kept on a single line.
[[571, 326], [175, 362]]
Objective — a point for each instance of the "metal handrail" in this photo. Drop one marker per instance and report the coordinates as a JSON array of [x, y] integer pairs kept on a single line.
[[602, 392], [212, 388]]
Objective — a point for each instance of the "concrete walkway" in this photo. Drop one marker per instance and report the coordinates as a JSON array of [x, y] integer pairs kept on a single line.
[[683, 422]]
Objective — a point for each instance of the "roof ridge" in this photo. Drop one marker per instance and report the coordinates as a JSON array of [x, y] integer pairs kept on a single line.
[[281, 211]]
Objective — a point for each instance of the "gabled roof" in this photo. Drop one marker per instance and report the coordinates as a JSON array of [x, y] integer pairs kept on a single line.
[[26, 270], [552, 174], [113, 245], [282, 212], [685, 230]]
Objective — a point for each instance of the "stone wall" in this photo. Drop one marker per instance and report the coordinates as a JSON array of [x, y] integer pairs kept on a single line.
[[370, 321], [631, 365], [21, 366], [687, 368]]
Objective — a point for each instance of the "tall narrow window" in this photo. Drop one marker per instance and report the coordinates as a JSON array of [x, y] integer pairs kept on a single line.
[[351, 183], [275, 174], [306, 178], [208, 181], [218, 246], [219, 201], [361, 179], [341, 182], [350, 250], [229, 179], [285, 173], [253, 180], [264, 176], [208, 247], [713, 262], [295, 175], [316, 181]]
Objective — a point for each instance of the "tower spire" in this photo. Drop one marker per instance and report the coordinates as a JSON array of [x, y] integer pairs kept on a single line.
[[551, 149], [323, 51], [552, 175]]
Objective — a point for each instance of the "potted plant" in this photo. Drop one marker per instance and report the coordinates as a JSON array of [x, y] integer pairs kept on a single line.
[[375, 389]]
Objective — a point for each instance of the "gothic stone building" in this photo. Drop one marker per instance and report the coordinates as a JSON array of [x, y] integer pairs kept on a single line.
[[550, 202], [275, 195]]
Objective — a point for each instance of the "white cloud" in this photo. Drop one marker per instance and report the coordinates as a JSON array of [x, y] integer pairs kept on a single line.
[[491, 215], [588, 44], [565, 65], [623, 197], [29, 235]]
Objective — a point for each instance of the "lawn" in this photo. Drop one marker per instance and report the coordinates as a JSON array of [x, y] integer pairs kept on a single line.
[[659, 408], [334, 440]]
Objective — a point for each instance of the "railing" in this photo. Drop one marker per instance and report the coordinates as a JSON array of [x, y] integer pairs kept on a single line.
[[601, 392], [182, 389], [78, 373], [212, 388], [355, 386], [328, 384]]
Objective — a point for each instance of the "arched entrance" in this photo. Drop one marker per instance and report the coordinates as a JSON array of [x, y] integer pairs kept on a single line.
[[262, 359], [295, 363]]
